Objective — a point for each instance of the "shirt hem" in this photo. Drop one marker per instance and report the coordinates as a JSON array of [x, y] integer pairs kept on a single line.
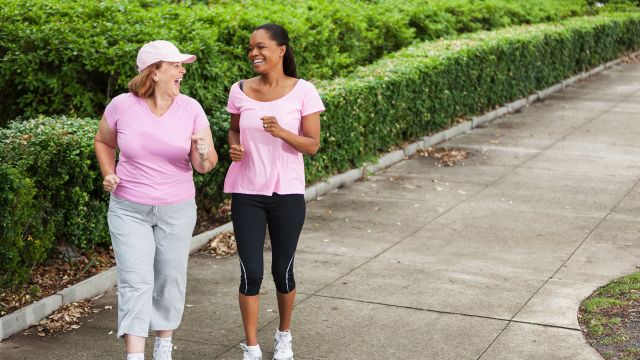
[[263, 193], [159, 203]]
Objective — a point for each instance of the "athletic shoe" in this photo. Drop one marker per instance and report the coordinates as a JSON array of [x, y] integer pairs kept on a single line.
[[162, 351], [249, 355], [282, 346]]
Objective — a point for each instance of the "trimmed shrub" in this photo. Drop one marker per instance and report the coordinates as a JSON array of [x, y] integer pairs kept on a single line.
[[24, 237], [434, 19], [72, 56], [428, 86], [628, 3], [57, 155]]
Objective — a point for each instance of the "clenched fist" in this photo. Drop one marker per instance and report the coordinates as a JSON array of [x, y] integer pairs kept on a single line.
[[110, 182], [236, 152], [272, 126]]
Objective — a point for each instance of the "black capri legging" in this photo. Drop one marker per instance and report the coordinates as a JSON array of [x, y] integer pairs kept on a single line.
[[284, 214]]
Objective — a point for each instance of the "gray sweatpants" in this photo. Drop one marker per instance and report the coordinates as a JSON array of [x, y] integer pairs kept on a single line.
[[151, 245]]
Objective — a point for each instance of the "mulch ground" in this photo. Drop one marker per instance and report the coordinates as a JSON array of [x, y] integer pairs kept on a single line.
[[54, 275]]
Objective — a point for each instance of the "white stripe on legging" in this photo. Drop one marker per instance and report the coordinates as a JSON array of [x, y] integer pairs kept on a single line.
[[244, 272], [286, 274]]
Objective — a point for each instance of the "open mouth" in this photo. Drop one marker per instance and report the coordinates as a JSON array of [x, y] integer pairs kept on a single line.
[[257, 61], [177, 82]]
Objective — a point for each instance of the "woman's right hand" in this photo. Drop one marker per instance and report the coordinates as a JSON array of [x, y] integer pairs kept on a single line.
[[110, 182], [236, 152]]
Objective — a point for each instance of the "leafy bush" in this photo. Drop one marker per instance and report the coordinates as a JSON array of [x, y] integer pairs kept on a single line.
[[614, 2], [57, 155], [429, 85], [434, 19], [617, 6], [71, 56], [24, 237]]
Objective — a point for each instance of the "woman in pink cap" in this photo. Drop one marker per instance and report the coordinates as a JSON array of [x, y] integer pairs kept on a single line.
[[275, 119], [162, 136]]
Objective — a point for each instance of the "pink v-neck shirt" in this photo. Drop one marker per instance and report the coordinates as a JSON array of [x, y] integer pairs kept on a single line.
[[270, 165], [154, 166]]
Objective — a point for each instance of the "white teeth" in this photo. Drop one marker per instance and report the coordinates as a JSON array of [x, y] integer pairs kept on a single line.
[[258, 61]]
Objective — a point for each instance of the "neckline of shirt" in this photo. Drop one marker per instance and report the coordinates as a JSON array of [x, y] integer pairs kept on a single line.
[[272, 101], [148, 109]]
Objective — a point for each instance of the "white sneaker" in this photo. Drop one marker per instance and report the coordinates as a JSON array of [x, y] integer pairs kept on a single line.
[[162, 351], [282, 346], [250, 355]]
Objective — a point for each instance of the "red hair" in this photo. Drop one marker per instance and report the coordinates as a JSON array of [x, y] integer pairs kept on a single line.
[[143, 85]]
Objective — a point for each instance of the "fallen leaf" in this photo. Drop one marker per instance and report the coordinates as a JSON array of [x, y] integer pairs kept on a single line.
[[223, 244], [225, 208], [445, 156], [64, 319]]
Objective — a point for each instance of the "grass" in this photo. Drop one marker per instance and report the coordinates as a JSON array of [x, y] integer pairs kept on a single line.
[[610, 318]]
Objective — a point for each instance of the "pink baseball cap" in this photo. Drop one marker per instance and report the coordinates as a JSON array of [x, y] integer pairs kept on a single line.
[[161, 50]]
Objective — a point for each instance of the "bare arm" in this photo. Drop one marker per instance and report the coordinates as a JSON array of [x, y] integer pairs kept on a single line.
[[236, 151], [203, 154], [105, 143], [307, 143]]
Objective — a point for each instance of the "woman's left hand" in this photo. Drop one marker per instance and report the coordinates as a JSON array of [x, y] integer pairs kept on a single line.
[[271, 125]]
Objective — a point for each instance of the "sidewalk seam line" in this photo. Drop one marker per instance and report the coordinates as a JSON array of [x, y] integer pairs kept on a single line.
[[445, 312], [582, 242]]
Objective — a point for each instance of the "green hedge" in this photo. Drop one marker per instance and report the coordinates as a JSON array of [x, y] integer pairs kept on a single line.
[[56, 156], [25, 238], [403, 96], [427, 86], [71, 56], [625, 3]]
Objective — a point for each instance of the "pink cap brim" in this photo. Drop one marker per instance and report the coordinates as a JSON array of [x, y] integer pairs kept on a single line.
[[182, 58]]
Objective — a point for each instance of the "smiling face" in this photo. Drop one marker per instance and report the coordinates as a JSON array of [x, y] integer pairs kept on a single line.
[[264, 53], [168, 78]]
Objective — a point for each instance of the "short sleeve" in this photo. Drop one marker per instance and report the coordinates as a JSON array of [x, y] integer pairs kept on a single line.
[[232, 107], [311, 101], [201, 120], [113, 110]]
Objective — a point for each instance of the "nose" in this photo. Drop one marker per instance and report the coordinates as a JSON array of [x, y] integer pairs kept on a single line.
[[182, 69], [253, 52]]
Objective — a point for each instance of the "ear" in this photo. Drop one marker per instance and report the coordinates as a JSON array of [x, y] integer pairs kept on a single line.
[[283, 50]]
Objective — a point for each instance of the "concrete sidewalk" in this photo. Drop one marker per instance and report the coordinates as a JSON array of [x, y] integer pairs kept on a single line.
[[486, 260]]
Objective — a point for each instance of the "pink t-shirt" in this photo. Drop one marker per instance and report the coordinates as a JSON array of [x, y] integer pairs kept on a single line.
[[269, 164], [154, 165]]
